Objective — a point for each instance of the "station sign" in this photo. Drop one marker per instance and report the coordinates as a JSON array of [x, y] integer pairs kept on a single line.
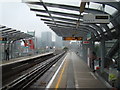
[[73, 38], [86, 42], [96, 18]]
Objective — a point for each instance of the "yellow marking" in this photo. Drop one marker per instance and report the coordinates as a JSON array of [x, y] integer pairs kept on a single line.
[[61, 74]]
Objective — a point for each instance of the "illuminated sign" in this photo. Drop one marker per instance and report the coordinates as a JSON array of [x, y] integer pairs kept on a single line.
[[86, 42], [3, 40], [72, 38], [96, 18]]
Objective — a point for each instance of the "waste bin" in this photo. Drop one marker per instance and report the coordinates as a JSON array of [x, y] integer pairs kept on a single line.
[[113, 75]]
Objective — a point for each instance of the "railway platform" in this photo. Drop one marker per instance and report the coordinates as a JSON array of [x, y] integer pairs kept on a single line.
[[15, 60], [71, 72]]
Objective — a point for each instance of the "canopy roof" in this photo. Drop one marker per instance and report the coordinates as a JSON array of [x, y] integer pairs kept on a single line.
[[12, 34], [62, 17]]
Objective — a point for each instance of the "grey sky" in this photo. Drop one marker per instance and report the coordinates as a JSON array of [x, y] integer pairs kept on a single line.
[[18, 16]]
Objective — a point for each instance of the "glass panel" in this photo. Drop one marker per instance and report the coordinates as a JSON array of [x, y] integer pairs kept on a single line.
[[98, 32], [30, 0], [84, 13], [110, 9], [98, 24], [66, 2], [94, 6], [110, 25], [103, 29], [40, 13], [67, 17], [63, 10], [36, 6], [105, 33], [8, 1], [113, 30]]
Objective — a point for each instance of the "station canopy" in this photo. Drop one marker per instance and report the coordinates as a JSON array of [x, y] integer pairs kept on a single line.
[[9, 34], [65, 17]]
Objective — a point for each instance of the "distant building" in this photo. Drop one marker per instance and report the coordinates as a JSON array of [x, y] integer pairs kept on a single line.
[[66, 43], [58, 42], [38, 42], [46, 38], [53, 43]]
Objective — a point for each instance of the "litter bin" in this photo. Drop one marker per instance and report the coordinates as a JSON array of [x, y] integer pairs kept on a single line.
[[113, 75]]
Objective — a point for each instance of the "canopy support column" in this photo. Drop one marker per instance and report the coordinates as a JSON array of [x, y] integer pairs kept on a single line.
[[102, 54], [119, 54]]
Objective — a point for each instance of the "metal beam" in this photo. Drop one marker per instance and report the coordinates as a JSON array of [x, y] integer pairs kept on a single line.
[[58, 13], [67, 32], [82, 29], [59, 18], [59, 22], [47, 11], [81, 26], [5, 29], [109, 34]]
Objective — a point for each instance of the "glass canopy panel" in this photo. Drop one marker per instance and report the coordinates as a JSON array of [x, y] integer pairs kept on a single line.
[[98, 32], [84, 13], [110, 25], [65, 2], [94, 6], [39, 13], [98, 24], [67, 17], [103, 29], [113, 30], [30, 0], [36, 6], [65, 21], [110, 9], [91, 26], [63, 10], [99, 0]]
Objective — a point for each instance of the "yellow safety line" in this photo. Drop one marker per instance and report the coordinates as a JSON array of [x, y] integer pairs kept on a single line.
[[61, 74]]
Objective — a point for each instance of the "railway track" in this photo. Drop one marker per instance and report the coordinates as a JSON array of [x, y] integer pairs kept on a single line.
[[28, 78], [14, 70]]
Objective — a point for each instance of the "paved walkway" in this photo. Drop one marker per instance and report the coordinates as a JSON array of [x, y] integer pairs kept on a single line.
[[74, 73]]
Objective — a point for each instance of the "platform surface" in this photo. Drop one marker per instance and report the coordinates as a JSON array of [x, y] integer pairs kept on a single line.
[[19, 59], [74, 73]]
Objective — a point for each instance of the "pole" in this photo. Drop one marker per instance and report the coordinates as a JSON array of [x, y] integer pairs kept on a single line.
[[102, 54]]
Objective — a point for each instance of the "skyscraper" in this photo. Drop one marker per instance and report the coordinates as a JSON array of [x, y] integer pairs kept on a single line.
[[46, 39], [58, 42]]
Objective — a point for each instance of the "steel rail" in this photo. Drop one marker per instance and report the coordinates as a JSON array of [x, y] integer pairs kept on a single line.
[[25, 80]]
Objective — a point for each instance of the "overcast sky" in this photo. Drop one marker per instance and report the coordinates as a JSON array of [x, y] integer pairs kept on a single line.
[[17, 15]]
